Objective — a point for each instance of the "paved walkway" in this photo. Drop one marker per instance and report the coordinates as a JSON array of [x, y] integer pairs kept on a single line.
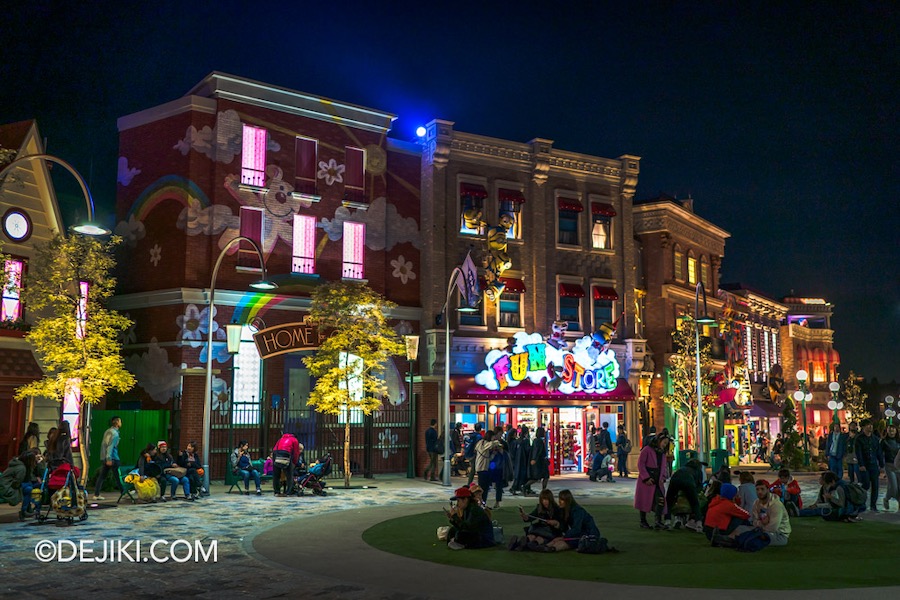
[[272, 547]]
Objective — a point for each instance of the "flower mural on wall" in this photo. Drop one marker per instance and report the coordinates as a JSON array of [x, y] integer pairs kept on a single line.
[[193, 325], [331, 172], [387, 442], [220, 396], [220, 349], [403, 269], [155, 254]]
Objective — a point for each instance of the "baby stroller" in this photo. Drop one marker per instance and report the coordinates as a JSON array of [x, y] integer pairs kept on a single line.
[[60, 493], [314, 478]]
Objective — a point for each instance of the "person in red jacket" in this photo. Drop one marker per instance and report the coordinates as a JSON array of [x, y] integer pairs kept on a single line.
[[285, 455], [723, 515], [788, 490]]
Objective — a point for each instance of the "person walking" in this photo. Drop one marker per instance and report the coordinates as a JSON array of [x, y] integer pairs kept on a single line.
[[835, 449], [485, 454], [109, 458], [471, 441], [431, 447], [521, 455], [890, 447], [604, 439], [456, 447], [653, 471], [623, 449], [538, 463], [871, 461], [852, 462]]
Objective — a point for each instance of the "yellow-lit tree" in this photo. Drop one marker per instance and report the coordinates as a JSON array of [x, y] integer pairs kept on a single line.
[[75, 338], [348, 363], [854, 398], [683, 376]]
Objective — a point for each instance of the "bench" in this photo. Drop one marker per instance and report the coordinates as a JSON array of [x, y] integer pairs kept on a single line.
[[127, 488], [235, 481]]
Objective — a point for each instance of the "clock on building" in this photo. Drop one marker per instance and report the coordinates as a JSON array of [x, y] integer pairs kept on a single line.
[[16, 225]]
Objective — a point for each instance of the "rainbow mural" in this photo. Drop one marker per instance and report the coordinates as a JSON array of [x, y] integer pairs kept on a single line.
[[170, 187], [256, 304]]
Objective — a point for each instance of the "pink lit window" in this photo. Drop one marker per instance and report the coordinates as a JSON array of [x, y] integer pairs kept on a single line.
[[253, 156], [81, 313], [72, 408], [354, 244], [251, 227], [11, 306], [304, 244]]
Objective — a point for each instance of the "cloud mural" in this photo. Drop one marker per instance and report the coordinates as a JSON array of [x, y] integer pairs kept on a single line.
[[159, 378], [131, 231], [385, 228], [220, 143], [195, 219], [125, 174]]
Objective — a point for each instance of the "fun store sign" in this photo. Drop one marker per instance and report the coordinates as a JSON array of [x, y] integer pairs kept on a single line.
[[586, 368]]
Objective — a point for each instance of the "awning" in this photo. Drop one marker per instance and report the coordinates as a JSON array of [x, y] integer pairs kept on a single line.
[[802, 356], [570, 204], [472, 189], [506, 195], [833, 357], [571, 290], [818, 355], [513, 286], [463, 387], [605, 293], [602, 208], [765, 410]]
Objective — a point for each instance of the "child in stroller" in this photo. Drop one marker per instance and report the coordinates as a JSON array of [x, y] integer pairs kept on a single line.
[[314, 478]]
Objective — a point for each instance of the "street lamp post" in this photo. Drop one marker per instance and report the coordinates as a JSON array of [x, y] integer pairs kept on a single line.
[[802, 395], [889, 411], [412, 353], [456, 273], [834, 404], [699, 320], [85, 228], [262, 284]]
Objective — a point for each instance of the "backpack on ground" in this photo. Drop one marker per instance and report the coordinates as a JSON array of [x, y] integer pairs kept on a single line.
[[856, 494], [592, 544], [752, 541]]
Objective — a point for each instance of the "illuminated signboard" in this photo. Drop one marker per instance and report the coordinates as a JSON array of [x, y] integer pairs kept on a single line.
[[584, 368]]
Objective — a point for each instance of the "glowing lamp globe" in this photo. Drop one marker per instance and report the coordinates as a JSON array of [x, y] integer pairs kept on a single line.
[[798, 395], [420, 131], [834, 386]]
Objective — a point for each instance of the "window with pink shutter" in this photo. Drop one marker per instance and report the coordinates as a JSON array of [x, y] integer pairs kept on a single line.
[[81, 312], [306, 163], [11, 307], [354, 247], [304, 244], [251, 227], [253, 156]]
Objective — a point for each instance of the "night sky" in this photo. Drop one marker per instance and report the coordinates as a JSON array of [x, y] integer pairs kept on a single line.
[[779, 120]]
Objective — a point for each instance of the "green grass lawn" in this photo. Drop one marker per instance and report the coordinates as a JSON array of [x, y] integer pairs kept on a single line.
[[818, 555]]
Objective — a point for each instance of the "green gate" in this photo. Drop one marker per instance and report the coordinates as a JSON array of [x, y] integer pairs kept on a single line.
[[139, 428]]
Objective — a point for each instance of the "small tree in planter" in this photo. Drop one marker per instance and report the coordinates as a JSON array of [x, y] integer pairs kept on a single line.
[[358, 345], [791, 452], [74, 335]]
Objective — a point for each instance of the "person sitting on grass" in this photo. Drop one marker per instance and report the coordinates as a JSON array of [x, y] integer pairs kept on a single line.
[[166, 461], [470, 527], [770, 515], [600, 466], [576, 523], [833, 502], [788, 491], [723, 516], [478, 498], [544, 525], [746, 490]]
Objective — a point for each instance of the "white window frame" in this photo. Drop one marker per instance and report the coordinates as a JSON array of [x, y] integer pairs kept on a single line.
[[485, 208], [615, 303], [574, 196], [517, 229], [610, 245], [579, 281]]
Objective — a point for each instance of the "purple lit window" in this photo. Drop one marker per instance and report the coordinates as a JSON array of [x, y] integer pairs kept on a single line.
[[304, 244], [354, 247], [11, 306], [253, 158]]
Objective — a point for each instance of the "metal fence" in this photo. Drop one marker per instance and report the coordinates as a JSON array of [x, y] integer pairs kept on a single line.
[[379, 443]]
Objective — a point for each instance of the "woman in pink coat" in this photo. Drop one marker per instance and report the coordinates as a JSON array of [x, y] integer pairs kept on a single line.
[[653, 471]]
